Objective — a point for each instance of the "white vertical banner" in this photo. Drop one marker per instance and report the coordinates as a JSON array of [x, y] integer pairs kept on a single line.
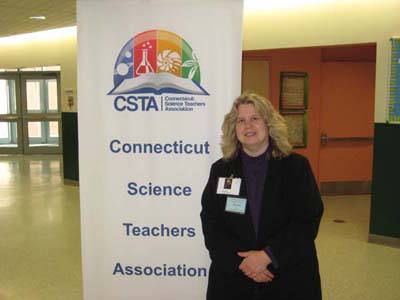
[[155, 79]]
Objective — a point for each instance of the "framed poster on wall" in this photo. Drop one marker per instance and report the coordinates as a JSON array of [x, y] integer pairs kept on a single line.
[[293, 106], [297, 128], [294, 90]]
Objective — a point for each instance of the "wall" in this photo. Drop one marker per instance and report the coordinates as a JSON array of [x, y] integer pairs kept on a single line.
[[55, 47]]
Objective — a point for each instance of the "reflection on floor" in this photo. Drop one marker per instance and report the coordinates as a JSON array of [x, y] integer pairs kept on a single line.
[[40, 239]]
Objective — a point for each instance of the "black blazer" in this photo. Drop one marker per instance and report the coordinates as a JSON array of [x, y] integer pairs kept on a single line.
[[290, 214]]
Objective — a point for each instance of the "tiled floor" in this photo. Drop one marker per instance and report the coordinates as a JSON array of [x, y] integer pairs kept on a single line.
[[352, 268], [40, 240], [39, 231]]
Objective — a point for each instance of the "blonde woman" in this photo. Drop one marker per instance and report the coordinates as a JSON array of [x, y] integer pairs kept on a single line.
[[260, 232]]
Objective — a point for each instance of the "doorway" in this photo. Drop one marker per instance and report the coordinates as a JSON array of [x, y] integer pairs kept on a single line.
[[347, 119], [30, 113]]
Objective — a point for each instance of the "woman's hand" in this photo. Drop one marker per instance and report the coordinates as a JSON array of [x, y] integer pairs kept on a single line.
[[265, 276], [254, 265]]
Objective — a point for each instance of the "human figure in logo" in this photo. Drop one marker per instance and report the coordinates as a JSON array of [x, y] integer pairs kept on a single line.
[[261, 241]]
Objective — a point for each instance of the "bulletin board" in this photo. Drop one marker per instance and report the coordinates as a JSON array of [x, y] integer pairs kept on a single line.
[[293, 104], [394, 82]]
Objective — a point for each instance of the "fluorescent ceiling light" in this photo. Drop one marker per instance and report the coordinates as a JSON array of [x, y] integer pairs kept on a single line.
[[40, 35], [37, 18], [271, 5]]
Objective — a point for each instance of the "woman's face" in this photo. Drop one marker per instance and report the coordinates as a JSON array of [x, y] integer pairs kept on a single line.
[[251, 130]]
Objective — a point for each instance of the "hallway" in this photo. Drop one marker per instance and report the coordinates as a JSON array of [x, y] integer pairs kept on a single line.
[[40, 239]]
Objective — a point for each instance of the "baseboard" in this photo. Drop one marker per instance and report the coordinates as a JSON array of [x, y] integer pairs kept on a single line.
[[71, 182], [384, 240], [345, 188]]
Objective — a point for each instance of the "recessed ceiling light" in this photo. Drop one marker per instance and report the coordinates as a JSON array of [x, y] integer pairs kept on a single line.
[[37, 17]]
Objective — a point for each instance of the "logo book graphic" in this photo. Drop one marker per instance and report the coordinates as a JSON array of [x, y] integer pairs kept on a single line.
[[157, 62]]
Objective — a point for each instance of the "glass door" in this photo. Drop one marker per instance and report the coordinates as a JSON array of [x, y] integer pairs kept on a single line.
[[10, 115], [41, 113]]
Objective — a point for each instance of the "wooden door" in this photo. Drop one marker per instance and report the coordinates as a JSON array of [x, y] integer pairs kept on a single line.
[[346, 127]]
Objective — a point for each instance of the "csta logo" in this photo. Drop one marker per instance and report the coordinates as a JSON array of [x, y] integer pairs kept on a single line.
[[134, 103], [152, 63]]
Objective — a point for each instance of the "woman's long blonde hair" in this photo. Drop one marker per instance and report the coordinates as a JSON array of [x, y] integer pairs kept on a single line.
[[275, 123]]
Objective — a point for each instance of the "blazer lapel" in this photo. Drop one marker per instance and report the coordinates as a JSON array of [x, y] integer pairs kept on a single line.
[[271, 187]]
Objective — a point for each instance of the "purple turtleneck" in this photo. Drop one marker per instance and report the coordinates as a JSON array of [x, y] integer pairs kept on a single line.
[[255, 170]]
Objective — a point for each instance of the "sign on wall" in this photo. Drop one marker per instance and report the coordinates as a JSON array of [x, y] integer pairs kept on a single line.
[[155, 79], [394, 82]]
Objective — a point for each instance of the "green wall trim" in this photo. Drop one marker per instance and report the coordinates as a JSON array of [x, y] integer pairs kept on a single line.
[[385, 198], [70, 145]]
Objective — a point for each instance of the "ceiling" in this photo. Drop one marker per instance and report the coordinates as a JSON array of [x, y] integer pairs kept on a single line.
[[14, 15]]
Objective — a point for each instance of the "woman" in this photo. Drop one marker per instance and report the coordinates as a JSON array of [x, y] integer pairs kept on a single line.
[[260, 233]]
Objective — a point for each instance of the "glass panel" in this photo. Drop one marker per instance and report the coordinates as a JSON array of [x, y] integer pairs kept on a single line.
[[8, 101], [8, 134], [54, 129], [39, 69], [34, 129], [33, 96], [43, 133], [52, 94], [42, 96]]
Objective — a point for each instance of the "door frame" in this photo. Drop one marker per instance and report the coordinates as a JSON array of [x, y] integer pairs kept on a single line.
[[47, 117], [14, 117]]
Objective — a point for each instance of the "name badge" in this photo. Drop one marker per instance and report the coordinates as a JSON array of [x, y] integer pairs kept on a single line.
[[228, 186], [236, 205]]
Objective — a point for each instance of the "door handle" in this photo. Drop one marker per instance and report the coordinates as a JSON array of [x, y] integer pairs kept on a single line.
[[325, 139]]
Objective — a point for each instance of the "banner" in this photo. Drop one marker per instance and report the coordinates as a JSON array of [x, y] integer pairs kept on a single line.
[[155, 79]]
